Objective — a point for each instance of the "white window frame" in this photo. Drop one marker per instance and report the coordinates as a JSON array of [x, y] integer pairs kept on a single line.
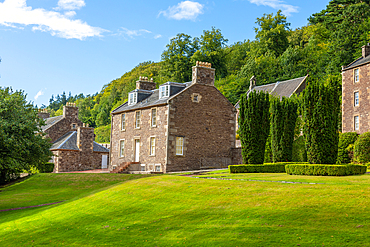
[[154, 117], [356, 97], [122, 148], [152, 146], [164, 91], [357, 75], [74, 126], [180, 145], [356, 121], [137, 119], [141, 167], [155, 167], [132, 98], [123, 121]]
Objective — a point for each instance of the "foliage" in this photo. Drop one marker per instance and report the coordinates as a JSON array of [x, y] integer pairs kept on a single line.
[[320, 117], [345, 139], [268, 150], [325, 170], [361, 148], [46, 167], [22, 145], [299, 153], [102, 134], [283, 121], [254, 126], [278, 167]]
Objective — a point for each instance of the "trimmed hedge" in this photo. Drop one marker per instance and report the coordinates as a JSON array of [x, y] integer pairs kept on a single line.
[[46, 168], [325, 170], [261, 168], [361, 149], [345, 140]]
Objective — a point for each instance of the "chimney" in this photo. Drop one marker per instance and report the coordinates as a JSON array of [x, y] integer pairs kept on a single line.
[[365, 50], [203, 73], [85, 138], [252, 83], [145, 84], [70, 110], [43, 113]]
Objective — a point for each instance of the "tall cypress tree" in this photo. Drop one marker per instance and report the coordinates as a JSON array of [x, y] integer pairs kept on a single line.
[[254, 126], [320, 115], [283, 118]]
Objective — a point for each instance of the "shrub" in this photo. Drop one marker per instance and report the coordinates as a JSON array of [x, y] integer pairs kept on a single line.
[[259, 168], [46, 168], [325, 170], [299, 151], [361, 150], [345, 140]]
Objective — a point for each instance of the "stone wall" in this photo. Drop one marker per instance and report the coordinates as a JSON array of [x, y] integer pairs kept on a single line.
[[70, 117], [349, 110], [71, 160], [236, 155], [143, 134], [207, 125]]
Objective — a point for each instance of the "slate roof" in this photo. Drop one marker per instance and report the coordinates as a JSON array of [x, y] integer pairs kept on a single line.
[[69, 142], [357, 62], [152, 100], [280, 88], [51, 121]]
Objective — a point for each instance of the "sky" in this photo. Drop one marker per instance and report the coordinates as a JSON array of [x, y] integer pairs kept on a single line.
[[78, 46]]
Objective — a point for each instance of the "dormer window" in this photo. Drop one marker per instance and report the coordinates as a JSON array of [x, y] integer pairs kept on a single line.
[[164, 91], [132, 98]]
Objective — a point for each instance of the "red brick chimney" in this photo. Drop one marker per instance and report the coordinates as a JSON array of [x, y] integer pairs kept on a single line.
[[365, 50], [203, 73], [145, 84]]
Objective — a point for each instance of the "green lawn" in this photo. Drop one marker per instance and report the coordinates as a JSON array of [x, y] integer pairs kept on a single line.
[[185, 211]]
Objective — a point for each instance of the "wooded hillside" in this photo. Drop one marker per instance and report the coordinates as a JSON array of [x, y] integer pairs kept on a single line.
[[332, 38]]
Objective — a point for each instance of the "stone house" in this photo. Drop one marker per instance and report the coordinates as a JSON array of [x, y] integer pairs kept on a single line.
[[178, 127], [281, 89], [73, 146], [356, 94]]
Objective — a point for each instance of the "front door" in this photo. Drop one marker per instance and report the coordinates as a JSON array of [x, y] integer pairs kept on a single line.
[[104, 161], [137, 150]]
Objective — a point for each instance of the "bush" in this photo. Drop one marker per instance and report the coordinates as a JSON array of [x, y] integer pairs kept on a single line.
[[325, 170], [361, 150], [345, 140], [299, 151], [262, 168], [46, 168]]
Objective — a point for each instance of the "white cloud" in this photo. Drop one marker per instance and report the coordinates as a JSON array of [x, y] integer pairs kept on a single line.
[[186, 10], [277, 4], [71, 4], [157, 36], [15, 13], [132, 33], [39, 94]]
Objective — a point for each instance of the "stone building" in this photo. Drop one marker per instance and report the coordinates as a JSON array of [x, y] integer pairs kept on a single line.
[[73, 146], [178, 127], [356, 94]]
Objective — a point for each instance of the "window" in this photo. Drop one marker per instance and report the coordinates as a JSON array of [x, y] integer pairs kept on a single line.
[[132, 98], [74, 126], [157, 168], [357, 99], [195, 98], [123, 121], [357, 75], [152, 145], [179, 145], [142, 167], [122, 148], [357, 122], [164, 91], [137, 121], [154, 117]]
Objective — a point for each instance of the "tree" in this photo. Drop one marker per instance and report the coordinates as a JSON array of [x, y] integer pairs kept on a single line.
[[254, 126], [177, 57], [321, 108], [212, 50], [22, 145], [283, 120]]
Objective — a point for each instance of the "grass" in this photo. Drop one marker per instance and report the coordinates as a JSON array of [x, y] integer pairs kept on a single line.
[[184, 211]]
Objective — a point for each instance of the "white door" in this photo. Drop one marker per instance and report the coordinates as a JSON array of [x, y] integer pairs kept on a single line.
[[137, 150], [104, 161]]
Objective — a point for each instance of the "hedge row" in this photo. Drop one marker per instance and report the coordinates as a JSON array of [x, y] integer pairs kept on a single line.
[[261, 168], [325, 170], [47, 167]]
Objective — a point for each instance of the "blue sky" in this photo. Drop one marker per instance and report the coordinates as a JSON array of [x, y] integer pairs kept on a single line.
[[77, 46]]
